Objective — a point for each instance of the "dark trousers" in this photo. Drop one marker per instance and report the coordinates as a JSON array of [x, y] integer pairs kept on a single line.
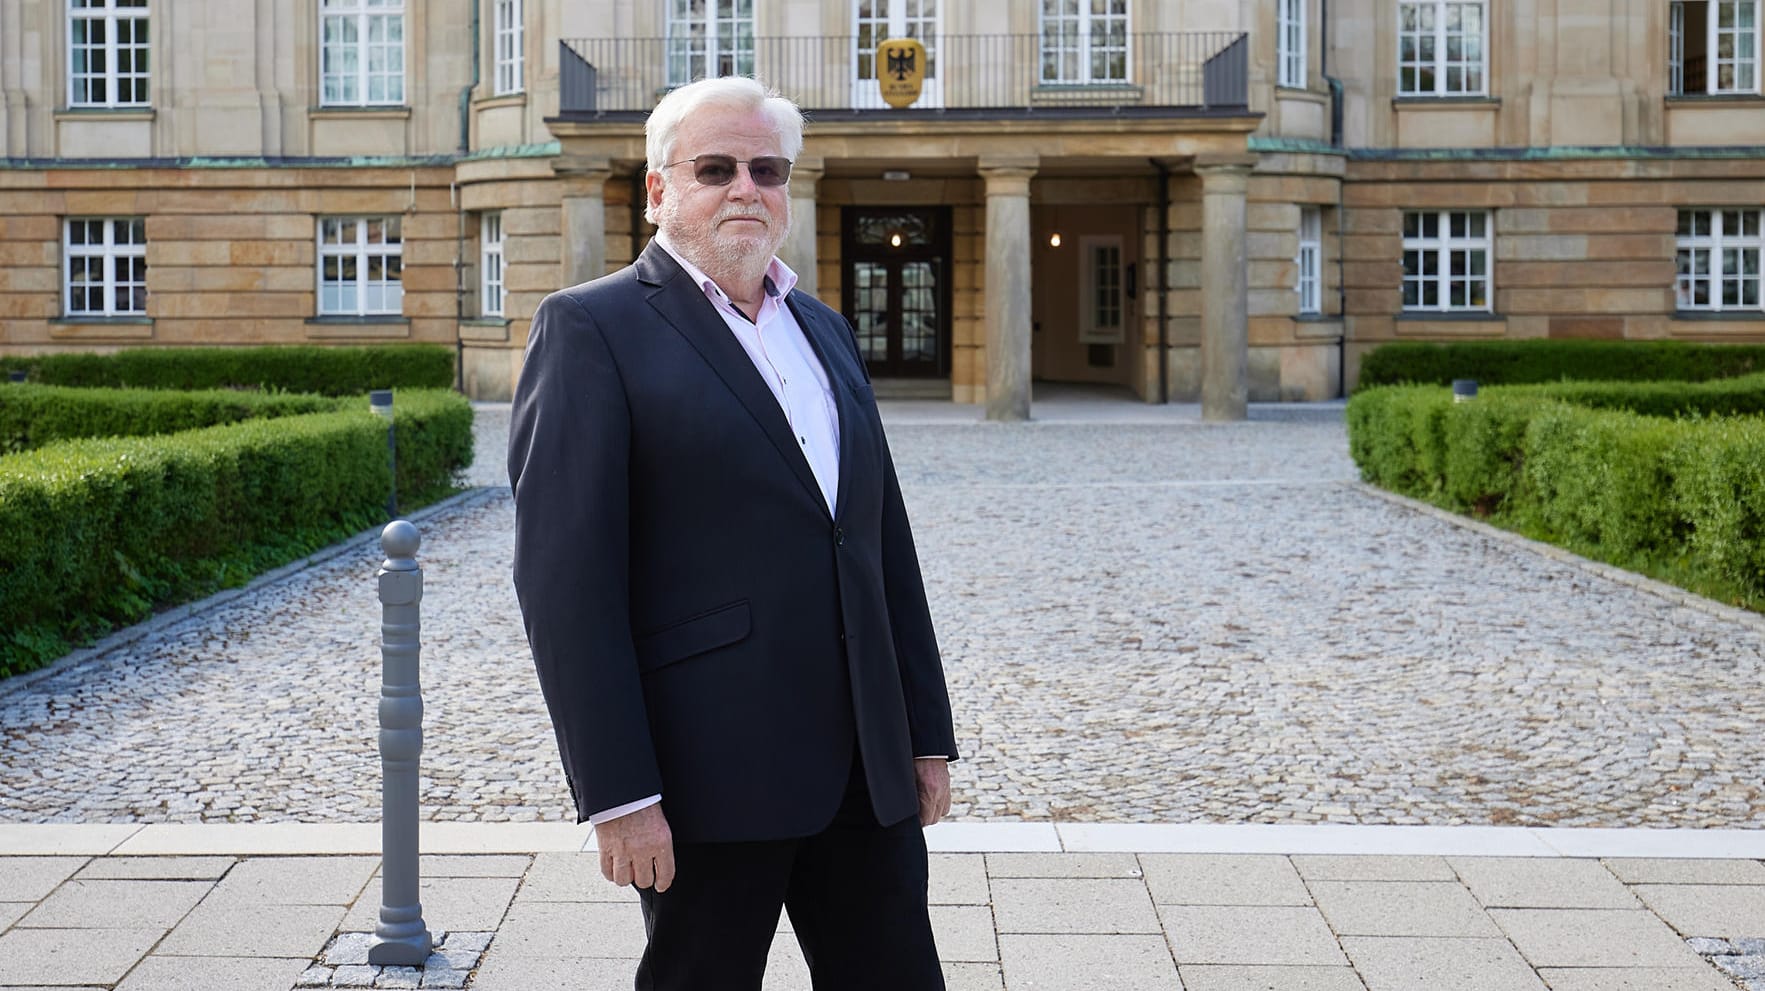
[[856, 893]]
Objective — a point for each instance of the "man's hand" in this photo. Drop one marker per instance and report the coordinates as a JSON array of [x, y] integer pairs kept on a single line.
[[639, 848], [933, 777]]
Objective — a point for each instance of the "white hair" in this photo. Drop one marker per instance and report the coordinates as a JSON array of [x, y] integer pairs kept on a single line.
[[741, 93]]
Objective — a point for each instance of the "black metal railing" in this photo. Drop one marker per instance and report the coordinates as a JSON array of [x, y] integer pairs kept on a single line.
[[1167, 73]]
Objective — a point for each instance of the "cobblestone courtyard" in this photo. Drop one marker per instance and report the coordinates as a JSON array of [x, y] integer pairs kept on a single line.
[[1150, 621]]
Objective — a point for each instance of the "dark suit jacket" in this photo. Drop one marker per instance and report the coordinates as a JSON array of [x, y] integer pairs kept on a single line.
[[702, 626]]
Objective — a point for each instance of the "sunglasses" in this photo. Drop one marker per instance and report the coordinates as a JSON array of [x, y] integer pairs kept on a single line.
[[719, 170]]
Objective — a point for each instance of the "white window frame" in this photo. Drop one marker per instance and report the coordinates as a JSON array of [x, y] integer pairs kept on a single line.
[[1743, 63], [121, 242], [1675, 48], [1434, 37], [1309, 261], [353, 244], [1445, 247], [876, 21], [1291, 43], [717, 40], [508, 36], [1103, 301], [362, 53], [491, 295], [109, 17], [1092, 39], [1717, 253]]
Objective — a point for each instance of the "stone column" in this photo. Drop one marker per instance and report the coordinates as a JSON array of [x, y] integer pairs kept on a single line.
[[1008, 285], [1225, 291], [583, 222], [799, 250]]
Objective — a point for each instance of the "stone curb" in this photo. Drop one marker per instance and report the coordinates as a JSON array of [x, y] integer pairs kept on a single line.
[[178, 614], [1672, 593]]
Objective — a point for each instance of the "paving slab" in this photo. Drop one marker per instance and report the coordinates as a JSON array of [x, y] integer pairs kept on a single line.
[[1409, 963], [571, 877], [1708, 909], [11, 912], [1373, 867], [964, 933], [952, 836], [1086, 963], [1199, 977], [241, 929], [1659, 871], [1119, 865], [63, 838], [973, 977], [157, 973], [156, 868], [1267, 935], [255, 838], [1588, 937], [450, 904], [785, 968], [1704, 978], [519, 972], [1402, 908], [296, 880], [72, 956], [958, 879], [32, 878], [485, 865], [570, 929], [117, 905], [1503, 882], [1072, 905], [1220, 879]]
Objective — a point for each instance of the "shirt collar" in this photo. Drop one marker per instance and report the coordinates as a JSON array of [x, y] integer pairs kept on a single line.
[[779, 278]]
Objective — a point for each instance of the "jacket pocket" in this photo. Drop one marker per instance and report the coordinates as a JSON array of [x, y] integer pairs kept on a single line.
[[707, 631]]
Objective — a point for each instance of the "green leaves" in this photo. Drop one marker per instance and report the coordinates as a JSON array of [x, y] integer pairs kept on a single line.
[[1539, 361], [329, 371]]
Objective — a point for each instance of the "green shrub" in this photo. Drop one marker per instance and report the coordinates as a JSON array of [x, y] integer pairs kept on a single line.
[[1534, 361], [330, 371], [34, 415], [96, 533]]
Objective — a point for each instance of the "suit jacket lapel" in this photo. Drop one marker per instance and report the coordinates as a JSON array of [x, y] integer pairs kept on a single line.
[[685, 307]]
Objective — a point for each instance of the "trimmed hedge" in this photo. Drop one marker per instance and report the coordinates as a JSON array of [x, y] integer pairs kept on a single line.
[[34, 415], [1681, 499], [1536, 361], [329, 371], [96, 533]]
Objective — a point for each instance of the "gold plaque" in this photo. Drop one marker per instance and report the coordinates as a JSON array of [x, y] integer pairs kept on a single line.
[[901, 62]]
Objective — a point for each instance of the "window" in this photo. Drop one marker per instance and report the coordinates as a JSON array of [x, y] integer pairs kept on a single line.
[[1290, 39], [879, 20], [1719, 253], [490, 262], [510, 64], [361, 53], [105, 263], [708, 38], [1446, 261], [1084, 41], [1713, 47], [107, 53], [1311, 251], [1440, 48], [1100, 290], [360, 266]]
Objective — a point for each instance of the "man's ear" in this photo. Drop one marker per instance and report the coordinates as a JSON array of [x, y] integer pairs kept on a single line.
[[652, 184]]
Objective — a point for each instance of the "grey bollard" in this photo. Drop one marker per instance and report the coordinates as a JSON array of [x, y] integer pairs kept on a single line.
[[401, 938], [380, 401], [1464, 390]]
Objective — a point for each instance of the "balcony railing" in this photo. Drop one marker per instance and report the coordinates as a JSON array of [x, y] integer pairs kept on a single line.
[[1171, 74]]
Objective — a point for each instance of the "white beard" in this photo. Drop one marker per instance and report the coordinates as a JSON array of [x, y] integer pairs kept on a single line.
[[740, 258]]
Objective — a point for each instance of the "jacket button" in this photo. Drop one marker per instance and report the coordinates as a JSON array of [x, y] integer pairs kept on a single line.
[[839, 537]]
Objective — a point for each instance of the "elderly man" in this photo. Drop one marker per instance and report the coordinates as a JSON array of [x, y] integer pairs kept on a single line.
[[720, 587]]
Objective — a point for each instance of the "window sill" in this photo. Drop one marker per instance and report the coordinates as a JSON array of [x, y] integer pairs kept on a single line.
[[101, 328], [377, 327], [1715, 99], [1305, 93], [357, 112], [1419, 102], [485, 329], [518, 99], [1718, 315], [104, 113], [484, 322], [1455, 316]]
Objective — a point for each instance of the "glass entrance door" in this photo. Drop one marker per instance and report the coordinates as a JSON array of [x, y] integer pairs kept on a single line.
[[897, 289]]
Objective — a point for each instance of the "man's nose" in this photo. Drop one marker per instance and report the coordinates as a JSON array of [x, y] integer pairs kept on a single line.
[[743, 187]]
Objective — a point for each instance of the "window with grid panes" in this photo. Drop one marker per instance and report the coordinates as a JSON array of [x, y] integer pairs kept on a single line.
[[1713, 47], [361, 53], [1440, 48], [361, 266], [1311, 250], [511, 75], [107, 55], [1084, 41], [1719, 259], [104, 266], [1290, 42], [709, 38], [490, 263], [1446, 260]]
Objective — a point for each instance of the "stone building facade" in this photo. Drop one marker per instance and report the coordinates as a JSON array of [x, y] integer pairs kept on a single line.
[[1230, 197]]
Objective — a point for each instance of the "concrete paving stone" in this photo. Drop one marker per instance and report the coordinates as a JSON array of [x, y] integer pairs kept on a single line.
[[449, 903], [157, 973], [117, 905], [1669, 871], [1532, 882], [1707, 909], [487, 865], [1703, 978], [1741, 968], [355, 975], [1372, 867], [1063, 865], [349, 948], [156, 868], [234, 929], [958, 879], [472, 942], [519, 972], [570, 877], [1207, 879], [1198, 977], [964, 933], [445, 978], [1593, 937], [570, 929], [1086, 963], [785, 968], [973, 977], [296, 880], [1402, 908], [1709, 946], [1269, 935], [1409, 963], [71, 956], [1072, 905], [399, 977], [11, 912], [32, 878]]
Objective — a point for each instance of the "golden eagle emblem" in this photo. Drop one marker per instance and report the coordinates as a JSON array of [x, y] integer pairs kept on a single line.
[[903, 72]]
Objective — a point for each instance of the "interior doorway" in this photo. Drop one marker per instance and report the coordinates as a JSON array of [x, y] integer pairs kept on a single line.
[[896, 289]]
